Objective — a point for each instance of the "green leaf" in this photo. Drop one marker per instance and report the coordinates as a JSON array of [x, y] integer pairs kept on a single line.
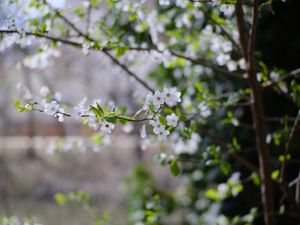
[[111, 119], [20, 107], [282, 158], [275, 174], [255, 178], [60, 198], [174, 168], [163, 120], [79, 11], [120, 50], [95, 111], [225, 167], [100, 109], [212, 194]]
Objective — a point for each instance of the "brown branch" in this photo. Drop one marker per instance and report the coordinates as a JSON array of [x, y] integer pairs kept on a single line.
[[223, 30], [279, 119], [120, 117], [196, 61], [252, 39], [257, 108], [36, 34], [242, 28], [235, 155], [114, 59], [214, 68], [272, 83], [129, 72]]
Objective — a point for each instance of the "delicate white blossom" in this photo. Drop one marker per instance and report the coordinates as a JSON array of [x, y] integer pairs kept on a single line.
[[157, 126], [107, 127], [158, 98], [172, 120], [51, 108], [92, 122], [172, 96]]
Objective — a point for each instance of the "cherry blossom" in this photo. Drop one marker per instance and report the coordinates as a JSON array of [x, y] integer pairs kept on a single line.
[[107, 127], [51, 108], [158, 98], [157, 126], [92, 122], [172, 96], [172, 120]]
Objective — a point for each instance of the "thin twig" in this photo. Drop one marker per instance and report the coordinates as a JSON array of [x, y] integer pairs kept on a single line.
[[235, 155], [287, 147], [36, 34], [113, 116], [272, 83], [114, 59]]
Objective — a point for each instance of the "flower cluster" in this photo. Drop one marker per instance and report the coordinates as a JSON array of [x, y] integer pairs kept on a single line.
[[169, 96], [53, 109]]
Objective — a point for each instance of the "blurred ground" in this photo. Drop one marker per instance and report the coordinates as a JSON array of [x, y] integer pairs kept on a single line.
[[28, 185]]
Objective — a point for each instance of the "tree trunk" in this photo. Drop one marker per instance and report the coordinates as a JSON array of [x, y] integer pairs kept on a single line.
[[262, 149]]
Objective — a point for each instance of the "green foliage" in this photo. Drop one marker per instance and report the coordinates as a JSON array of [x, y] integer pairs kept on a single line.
[[174, 168]]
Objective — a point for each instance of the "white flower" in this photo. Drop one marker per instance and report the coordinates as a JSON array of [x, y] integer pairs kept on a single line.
[[227, 9], [60, 115], [57, 4], [80, 110], [158, 98], [128, 127], [204, 110], [51, 108], [143, 132], [107, 127], [44, 91], [157, 127], [215, 2], [172, 120], [164, 2], [172, 96], [57, 96], [92, 122], [190, 146], [163, 134], [274, 76]]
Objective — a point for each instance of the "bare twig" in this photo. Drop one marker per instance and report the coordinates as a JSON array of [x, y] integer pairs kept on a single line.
[[287, 147], [235, 155], [114, 59]]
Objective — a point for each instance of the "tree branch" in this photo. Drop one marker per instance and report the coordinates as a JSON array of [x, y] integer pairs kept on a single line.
[[272, 83], [114, 59], [242, 28], [287, 147], [236, 156], [36, 34]]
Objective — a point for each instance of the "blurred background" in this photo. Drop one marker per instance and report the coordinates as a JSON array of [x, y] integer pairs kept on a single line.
[[35, 162]]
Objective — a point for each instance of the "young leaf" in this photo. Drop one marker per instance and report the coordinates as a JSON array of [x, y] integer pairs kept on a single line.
[[174, 168]]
